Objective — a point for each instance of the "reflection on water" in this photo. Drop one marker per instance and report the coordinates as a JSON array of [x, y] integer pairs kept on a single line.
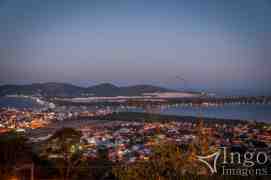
[[14, 102], [258, 112]]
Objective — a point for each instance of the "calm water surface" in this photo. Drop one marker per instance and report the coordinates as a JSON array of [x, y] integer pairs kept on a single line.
[[14, 102], [257, 112]]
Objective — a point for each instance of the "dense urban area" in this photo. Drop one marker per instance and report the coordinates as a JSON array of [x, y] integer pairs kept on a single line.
[[82, 142]]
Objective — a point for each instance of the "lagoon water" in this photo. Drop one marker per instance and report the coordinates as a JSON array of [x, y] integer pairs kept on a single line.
[[251, 112], [14, 102], [257, 112]]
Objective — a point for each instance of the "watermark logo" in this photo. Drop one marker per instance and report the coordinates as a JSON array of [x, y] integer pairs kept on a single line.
[[236, 163], [213, 158]]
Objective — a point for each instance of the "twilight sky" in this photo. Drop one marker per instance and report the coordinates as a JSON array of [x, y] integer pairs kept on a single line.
[[217, 45]]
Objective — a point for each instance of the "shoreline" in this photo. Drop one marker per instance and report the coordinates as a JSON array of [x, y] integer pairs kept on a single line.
[[131, 117], [141, 116]]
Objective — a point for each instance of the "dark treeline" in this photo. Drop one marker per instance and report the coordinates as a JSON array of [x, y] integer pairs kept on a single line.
[[148, 117]]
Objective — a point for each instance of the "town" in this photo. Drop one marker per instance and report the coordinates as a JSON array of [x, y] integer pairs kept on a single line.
[[131, 140]]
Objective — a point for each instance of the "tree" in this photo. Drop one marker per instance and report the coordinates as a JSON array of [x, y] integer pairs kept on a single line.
[[101, 166], [167, 162], [14, 152], [64, 148]]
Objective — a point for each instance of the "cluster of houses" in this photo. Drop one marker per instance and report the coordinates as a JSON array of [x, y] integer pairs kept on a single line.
[[19, 120], [22, 119], [129, 141], [132, 141]]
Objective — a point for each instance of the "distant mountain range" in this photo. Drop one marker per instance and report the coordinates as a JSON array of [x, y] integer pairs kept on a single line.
[[69, 90]]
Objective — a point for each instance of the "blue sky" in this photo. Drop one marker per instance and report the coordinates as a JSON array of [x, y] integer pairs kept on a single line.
[[222, 46]]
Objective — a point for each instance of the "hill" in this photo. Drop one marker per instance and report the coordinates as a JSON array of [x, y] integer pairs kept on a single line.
[[69, 90]]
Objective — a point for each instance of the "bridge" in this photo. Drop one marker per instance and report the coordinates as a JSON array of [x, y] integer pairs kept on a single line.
[[197, 101]]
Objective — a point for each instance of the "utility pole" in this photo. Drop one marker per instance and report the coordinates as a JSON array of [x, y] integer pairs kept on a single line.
[[32, 171]]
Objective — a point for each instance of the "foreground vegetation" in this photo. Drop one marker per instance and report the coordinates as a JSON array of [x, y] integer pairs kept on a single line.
[[61, 157]]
